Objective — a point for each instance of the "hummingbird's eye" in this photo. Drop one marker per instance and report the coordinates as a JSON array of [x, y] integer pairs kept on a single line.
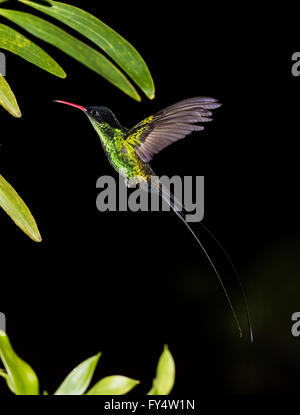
[[94, 113]]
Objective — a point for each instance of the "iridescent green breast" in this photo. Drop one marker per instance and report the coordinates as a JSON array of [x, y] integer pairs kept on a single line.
[[120, 152]]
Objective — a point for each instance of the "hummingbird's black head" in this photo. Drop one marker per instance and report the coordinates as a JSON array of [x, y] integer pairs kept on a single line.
[[100, 117], [103, 115]]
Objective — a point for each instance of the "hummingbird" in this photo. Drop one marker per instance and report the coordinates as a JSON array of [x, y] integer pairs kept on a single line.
[[129, 151]]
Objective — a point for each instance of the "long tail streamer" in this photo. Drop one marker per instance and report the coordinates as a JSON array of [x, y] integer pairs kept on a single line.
[[177, 207]]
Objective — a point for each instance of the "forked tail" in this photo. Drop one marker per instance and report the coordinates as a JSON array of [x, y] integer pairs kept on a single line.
[[177, 208]]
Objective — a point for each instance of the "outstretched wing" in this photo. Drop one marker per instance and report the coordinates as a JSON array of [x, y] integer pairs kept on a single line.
[[158, 131]]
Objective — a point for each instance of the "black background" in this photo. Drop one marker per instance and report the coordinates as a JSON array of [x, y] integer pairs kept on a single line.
[[127, 283]]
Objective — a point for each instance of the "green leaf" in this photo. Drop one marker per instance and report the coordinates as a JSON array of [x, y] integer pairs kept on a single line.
[[16, 43], [14, 206], [21, 378], [77, 382], [6, 377], [73, 47], [113, 385], [165, 374], [116, 47], [8, 99]]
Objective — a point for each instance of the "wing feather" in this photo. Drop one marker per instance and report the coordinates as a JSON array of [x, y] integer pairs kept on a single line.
[[169, 125]]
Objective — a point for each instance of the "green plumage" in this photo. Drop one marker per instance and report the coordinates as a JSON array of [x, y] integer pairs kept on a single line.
[[118, 144]]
